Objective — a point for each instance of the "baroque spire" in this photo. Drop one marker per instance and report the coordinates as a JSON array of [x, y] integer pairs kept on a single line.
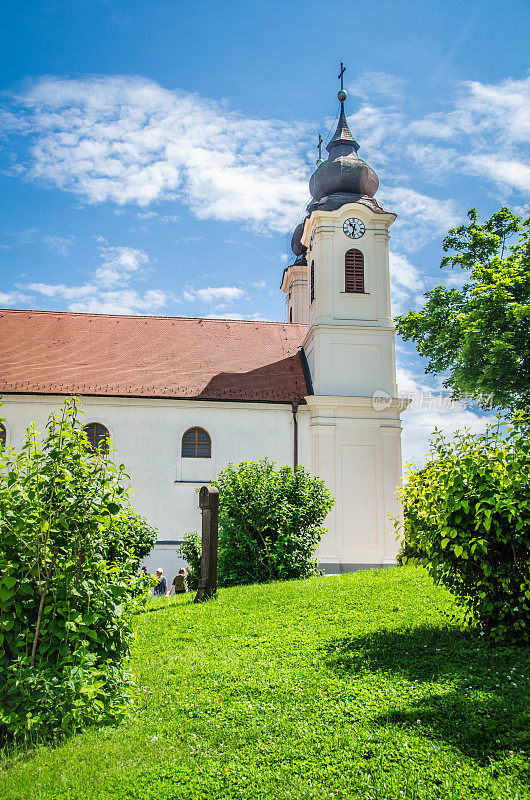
[[343, 177], [343, 135]]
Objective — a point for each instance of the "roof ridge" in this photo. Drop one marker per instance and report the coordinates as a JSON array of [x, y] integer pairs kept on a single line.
[[142, 316]]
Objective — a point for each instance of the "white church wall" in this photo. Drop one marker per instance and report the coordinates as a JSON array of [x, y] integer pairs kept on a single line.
[[351, 363], [356, 449], [335, 441], [148, 434]]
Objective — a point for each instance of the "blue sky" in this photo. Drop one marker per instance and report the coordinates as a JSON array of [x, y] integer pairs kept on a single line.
[[154, 157]]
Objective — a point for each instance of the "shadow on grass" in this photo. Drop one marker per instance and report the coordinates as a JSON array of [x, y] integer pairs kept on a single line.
[[482, 706]]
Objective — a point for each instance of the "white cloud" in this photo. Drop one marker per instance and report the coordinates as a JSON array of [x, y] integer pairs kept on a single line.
[[490, 108], [377, 82], [513, 173], [256, 316], [60, 290], [29, 236], [123, 301], [106, 293], [128, 140], [431, 409], [214, 294], [490, 127], [420, 217], [12, 298], [120, 264], [406, 283], [59, 244], [484, 132]]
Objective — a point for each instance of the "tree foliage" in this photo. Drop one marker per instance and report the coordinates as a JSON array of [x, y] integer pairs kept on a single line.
[[190, 550], [480, 333], [467, 519], [270, 522], [70, 545]]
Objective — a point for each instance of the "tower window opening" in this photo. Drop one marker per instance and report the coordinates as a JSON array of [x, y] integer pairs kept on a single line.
[[354, 271], [312, 281], [291, 314], [196, 443]]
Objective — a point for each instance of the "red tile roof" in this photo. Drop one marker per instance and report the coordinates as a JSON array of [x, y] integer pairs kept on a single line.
[[49, 352]]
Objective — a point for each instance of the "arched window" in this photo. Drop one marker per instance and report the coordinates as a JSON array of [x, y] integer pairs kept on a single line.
[[3, 435], [97, 435], [354, 271], [196, 443], [312, 281]]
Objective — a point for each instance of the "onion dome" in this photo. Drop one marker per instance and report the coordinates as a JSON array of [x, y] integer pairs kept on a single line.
[[297, 247], [343, 177]]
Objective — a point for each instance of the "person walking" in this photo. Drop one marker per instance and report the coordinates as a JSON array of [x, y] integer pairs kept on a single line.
[[179, 582], [160, 589]]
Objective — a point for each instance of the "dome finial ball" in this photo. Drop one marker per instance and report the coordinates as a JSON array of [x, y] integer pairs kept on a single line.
[[342, 94]]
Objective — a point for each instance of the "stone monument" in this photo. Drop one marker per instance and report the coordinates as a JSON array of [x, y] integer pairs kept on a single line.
[[209, 505]]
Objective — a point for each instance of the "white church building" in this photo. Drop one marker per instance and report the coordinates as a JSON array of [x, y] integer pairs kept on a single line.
[[182, 397]]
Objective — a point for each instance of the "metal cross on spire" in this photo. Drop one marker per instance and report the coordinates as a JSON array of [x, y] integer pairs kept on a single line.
[[319, 146], [341, 74], [342, 94]]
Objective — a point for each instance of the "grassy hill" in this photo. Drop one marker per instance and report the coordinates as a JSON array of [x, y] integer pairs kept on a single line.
[[345, 687]]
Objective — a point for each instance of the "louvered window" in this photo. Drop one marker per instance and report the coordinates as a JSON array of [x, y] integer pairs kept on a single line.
[[97, 435], [196, 443], [3, 435], [312, 281], [354, 271]]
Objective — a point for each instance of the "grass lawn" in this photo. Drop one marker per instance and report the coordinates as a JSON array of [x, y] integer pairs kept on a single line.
[[345, 687]]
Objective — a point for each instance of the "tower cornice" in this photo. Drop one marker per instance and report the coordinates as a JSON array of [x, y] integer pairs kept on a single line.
[[327, 223]]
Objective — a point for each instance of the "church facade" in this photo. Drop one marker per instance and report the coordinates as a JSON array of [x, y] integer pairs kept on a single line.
[[180, 398]]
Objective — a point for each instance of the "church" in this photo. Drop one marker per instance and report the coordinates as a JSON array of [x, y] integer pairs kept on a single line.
[[182, 397]]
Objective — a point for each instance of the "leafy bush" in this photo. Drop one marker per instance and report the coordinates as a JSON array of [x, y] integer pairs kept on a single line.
[[270, 522], [130, 539], [467, 518], [190, 550], [69, 550]]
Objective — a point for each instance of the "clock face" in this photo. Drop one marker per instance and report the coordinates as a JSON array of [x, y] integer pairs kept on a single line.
[[354, 228]]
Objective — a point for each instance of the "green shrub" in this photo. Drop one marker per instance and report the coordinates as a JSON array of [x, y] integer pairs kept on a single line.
[[467, 518], [270, 522], [130, 539], [69, 550], [190, 550]]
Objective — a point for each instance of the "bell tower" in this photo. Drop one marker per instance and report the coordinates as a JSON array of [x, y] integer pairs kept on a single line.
[[354, 411], [350, 340], [294, 280]]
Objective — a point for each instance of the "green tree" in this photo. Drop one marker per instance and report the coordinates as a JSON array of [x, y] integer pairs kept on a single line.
[[191, 550], [480, 333], [467, 519], [270, 522], [69, 549]]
